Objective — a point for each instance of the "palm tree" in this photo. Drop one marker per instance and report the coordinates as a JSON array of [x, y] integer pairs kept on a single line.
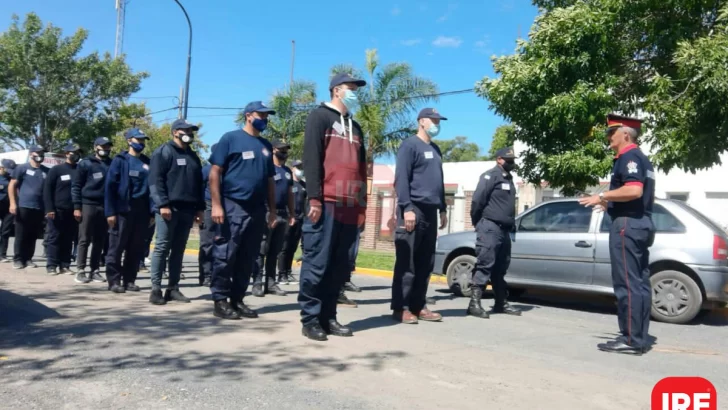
[[292, 106], [388, 103]]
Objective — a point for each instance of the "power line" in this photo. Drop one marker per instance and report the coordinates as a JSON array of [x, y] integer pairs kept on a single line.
[[165, 110], [155, 98]]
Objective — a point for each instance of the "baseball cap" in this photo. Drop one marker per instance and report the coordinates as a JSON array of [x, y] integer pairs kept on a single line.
[[506, 153], [343, 78], [36, 148], [135, 133], [297, 163], [102, 141], [430, 113], [72, 147], [258, 106], [278, 144], [182, 124], [8, 164]]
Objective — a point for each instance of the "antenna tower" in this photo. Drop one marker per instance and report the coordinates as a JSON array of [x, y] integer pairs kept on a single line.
[[120, 18]]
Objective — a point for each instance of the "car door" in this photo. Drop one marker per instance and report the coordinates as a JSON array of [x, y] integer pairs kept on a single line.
[[554, 243]]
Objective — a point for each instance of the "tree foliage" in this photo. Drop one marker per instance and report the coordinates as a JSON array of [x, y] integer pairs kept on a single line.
[[388, 103], [459, 149], [49, 94], [663, 60], [504, 136]]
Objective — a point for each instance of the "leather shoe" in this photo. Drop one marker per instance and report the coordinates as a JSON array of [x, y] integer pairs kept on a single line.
[[337, 329], [351, 287], [244, 310], [507, 309], [314, 332], [620, 347], [405, 316], [429, 316], [223, 310]]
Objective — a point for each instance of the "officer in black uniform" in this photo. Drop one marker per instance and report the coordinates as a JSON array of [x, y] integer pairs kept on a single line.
[[493, 213], [293, 232], [62, 226], [629, 204], [272, 241], [8, 220]]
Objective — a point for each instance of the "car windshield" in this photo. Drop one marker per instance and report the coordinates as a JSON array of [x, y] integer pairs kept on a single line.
[[715, 226]]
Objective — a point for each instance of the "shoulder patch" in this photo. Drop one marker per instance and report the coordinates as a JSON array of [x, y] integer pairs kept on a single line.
[[487, 176], [632, 167]]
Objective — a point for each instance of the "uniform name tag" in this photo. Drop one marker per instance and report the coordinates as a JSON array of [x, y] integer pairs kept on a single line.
[[248, 155], [98, 175], [428, 155], [133, 173], [65, 177], [506, 187], [277, 177], [30, 172], [2, 187], [181, 161]]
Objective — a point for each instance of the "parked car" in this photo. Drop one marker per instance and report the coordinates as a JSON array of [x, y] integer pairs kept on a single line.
[[561, 244]]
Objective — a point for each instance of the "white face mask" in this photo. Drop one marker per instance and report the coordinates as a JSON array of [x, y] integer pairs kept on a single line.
[[186, 138], [299, 174]]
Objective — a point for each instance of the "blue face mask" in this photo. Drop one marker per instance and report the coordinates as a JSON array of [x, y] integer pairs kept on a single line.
[[433, 130], [138, 147], [350, 100], [259, 124]]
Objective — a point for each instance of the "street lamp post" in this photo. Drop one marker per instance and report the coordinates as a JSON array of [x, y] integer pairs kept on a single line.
[[189, 61]]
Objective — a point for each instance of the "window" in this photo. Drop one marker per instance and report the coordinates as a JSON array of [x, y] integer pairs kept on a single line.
[[663, 220], [716, 195], [678, 196], [557, 217]]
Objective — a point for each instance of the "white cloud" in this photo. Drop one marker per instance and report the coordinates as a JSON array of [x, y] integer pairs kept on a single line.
[[411, 42], [443, 41], [396, 11]]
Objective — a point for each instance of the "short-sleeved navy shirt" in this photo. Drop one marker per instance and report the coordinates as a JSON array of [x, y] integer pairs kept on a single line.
[[247, 163], [632, 167], [284, 181], [139, 177], [30, 185]]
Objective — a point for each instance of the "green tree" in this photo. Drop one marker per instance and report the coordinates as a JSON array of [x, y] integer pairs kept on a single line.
[[663, 60], [292, 106], [388, 104], [48, 93], [459, 149], [504, 136]]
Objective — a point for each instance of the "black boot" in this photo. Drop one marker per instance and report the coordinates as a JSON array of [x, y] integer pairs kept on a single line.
[[223, 310], [475, 308], [244, 310], [156, 298], [314, 332], [506, 308], [337, 329]]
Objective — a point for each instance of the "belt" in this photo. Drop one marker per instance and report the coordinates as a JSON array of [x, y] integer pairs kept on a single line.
[[500, 224]]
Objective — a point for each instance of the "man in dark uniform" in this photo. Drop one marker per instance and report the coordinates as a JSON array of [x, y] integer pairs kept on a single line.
[[207, 233], [241, 182], [334, 161], [349, 286], [420, 187], [493, 213], [7, 166], [87, 192], [26, 203], [176, 189], [629, 204], [284, 211], [62, 226], [128, 210], [293, 232]]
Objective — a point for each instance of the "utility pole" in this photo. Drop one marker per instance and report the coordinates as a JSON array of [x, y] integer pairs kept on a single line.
[[189, 61], [181, 101], [293, 58], [120, 20]]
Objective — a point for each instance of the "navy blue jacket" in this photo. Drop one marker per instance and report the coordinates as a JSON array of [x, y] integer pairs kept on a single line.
[[88, 185], [117, 189], [205, 182]]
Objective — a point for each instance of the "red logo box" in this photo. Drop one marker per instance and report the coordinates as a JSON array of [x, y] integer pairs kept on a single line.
[[684, 393]]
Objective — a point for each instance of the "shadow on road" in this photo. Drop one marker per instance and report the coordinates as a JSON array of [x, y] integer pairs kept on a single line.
[[18, 310]]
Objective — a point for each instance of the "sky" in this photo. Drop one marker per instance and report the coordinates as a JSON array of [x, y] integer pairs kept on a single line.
[[241, 50]]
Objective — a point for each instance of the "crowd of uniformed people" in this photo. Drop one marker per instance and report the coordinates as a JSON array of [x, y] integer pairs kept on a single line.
[[253, 210]]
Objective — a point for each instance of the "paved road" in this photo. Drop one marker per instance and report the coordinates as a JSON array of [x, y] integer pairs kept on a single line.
[[65, 345]]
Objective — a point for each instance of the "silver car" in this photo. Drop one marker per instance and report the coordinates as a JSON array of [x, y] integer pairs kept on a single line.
[[560, 244]]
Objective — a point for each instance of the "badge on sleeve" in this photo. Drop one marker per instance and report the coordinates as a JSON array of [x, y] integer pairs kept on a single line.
[[288, 175], [487, 176], [632, 167]]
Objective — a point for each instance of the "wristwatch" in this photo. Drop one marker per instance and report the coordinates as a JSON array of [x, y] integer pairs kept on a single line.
[[601, 196]]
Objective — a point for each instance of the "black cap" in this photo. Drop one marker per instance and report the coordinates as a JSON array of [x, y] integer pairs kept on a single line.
[[297, 163], [343, 78], [36, 148], [102, 141], [258, 106], [182, 124], [135, 133], [506, 153], [72, 147], [278, 144], [430, 113], [8, 163]]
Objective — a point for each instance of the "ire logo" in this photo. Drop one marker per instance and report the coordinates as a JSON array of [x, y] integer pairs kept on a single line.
[[684, 393]]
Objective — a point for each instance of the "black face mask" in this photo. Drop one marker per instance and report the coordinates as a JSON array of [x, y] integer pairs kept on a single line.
[[102, 153], [509, 165], [282, 155], [74, 158]]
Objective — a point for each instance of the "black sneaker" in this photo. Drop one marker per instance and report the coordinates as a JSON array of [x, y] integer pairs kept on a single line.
[[65, 271], [81, 277], [350, 287], [274, 289], [174, 295], [19, 265], [31, 264], [5, 259], [207, 282], [131, 287], [51, 271], [116, 288], [292, 280], [96, 277], [344, 301], [282, 279], [156, 298], [223, 310], [258, 290]]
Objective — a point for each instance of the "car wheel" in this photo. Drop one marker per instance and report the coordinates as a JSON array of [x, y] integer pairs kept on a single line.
[[676, 298], [459, 275]]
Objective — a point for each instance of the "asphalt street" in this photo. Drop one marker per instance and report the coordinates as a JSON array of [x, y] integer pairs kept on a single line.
[[67, 345]]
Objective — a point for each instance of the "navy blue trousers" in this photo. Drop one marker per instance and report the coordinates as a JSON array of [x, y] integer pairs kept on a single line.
[[493, 250], [629, 240], [127, 237], [62, 230], [327, 246], [235, 247]]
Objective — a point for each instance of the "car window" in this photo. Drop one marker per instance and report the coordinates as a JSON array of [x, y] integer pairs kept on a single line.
[[663, 220], [557, 217]]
